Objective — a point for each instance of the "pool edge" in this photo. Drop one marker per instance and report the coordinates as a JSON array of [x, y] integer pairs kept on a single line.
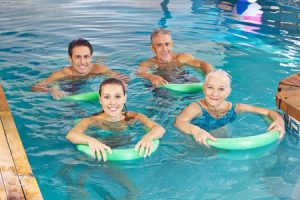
[[17, 180]]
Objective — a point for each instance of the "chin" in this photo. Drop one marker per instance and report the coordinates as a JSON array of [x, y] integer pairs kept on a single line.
[[214, 103], [166, 59], [83, 71]]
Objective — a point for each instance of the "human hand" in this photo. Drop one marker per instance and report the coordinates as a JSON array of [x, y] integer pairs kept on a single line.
[[145, 145], [157, 80], [57, 94], [278, 125], [98, 149], [202, 136]]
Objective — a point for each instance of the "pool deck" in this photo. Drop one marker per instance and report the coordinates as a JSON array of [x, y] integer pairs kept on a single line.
[[17, 180]]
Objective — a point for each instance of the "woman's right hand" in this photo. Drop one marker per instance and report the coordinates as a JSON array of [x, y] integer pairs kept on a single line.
[[98, 149], [202, 136]]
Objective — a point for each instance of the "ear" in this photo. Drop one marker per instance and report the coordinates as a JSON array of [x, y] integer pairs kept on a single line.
[[228, 92], [70, 59], [204, 89], [99, 99], [151, 47]]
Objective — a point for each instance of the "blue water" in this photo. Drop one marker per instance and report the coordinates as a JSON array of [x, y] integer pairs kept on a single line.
[[258, 54]]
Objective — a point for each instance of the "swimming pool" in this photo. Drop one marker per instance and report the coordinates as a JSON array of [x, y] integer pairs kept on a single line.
[[257, 52]]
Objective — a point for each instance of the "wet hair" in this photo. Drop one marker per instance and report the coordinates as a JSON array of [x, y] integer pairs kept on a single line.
[[79, 42], [221, 73], [159, 31], [114, 81]]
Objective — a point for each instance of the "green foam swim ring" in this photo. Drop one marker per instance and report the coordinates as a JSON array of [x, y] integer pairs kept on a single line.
[[119, 154], [184, 87], [243, 143], [90, 97]]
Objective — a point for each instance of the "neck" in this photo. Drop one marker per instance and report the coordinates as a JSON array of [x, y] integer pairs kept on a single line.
[[116, 118], [164, 61], [214, 108]]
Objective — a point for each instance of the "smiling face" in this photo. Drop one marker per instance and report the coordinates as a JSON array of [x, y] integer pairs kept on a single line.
[[216, 89], [81, 60], [162, 46], [112, 99]]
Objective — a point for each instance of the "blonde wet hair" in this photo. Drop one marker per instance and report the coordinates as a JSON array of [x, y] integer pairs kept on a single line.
[[220, 73]]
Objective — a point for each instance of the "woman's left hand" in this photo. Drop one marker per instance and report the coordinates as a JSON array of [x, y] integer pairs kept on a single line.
[[278, 125], [145, 145]]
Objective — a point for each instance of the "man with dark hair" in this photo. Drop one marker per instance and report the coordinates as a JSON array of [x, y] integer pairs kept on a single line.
[[80, 56], [166, 59]]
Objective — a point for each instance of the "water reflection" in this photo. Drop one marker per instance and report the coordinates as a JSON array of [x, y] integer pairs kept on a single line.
[[166, 14]]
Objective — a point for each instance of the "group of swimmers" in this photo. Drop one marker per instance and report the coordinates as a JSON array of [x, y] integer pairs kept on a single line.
[[211, 112]]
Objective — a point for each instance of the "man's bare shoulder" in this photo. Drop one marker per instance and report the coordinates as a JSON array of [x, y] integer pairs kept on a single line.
[[98, 68], [66, 71], [148, 63], [184, 57]]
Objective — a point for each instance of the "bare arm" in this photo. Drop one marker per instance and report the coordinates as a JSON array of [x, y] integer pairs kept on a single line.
[[278, 122], [77, 136], [156, 131], [190, 60], [182, 122], [102, 69], [46, 85], [143, 72]]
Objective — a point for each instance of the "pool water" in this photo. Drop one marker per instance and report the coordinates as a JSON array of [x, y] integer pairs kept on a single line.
[[258, 48]]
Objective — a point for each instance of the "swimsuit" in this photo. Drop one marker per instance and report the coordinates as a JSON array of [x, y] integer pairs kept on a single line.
[[72, 86], [208, 122]]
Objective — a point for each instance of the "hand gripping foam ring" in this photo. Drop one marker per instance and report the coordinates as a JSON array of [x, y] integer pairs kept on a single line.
[[243, 143], [119, 154], [90, 97], [184, 87]]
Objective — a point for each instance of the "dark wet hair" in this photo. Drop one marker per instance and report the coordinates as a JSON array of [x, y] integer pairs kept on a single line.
[[79, 42], [159, 31], [114, 81]]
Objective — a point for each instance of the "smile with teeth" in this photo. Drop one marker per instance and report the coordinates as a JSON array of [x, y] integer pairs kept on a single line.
[[113, 108], [82, 67]]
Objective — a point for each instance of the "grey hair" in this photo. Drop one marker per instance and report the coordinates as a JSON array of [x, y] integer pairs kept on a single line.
[[221, 73], [159, 31]]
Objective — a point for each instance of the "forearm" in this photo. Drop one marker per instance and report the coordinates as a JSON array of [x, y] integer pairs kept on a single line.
[[155, 133], [42, 88], [78, 138], [184, 126], [144, 74], [206, 67], [274, 115]]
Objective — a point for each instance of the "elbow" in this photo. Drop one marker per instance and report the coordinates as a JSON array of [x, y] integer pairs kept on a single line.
[[33, 88], [177, 122], [161, 130], [69, 137]]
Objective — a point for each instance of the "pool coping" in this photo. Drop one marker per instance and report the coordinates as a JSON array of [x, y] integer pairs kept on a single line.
[[16, 178]]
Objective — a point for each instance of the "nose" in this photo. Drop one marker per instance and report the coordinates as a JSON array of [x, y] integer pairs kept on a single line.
[[81, 60], [112, 101], [215, 93]]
